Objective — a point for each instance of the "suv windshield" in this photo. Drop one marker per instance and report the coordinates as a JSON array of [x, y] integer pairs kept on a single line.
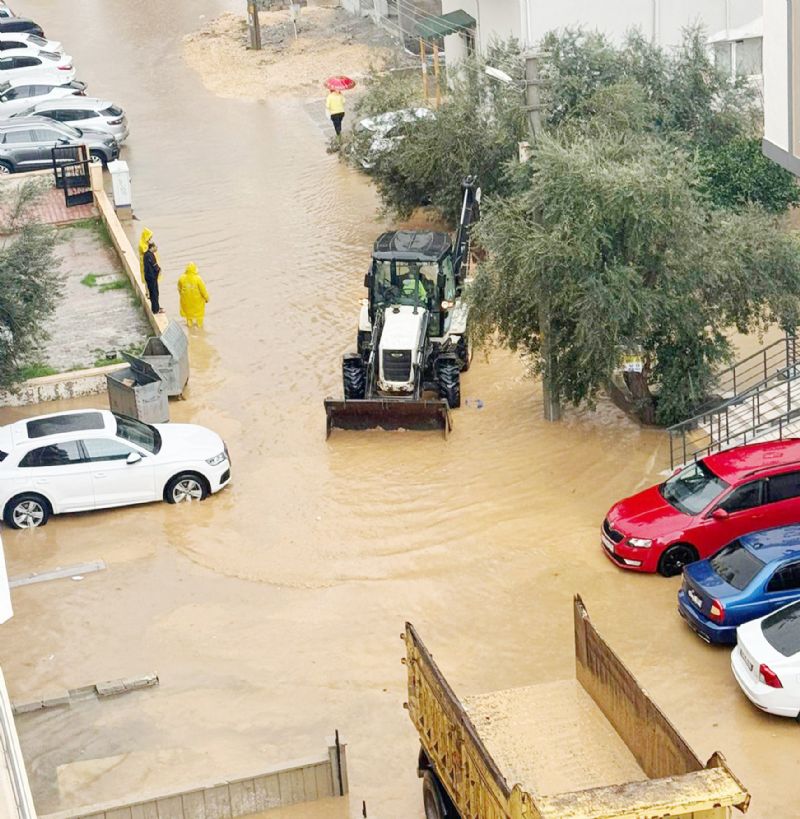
[[138, 433], [736, 565], [782, 630], [405, 282], [693, 488]]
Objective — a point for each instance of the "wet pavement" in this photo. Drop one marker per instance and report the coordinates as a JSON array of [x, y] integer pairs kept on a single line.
[[272, 612]]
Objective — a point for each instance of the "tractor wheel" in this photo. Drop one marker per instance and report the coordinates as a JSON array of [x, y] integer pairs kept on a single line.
[[354, 378], [464, 350], [450, 383]]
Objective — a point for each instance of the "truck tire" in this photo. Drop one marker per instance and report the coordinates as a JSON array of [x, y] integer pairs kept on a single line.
[[449, 378], [433, 798], [354, 378]]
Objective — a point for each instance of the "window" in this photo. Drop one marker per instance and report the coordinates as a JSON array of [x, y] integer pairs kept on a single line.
[[693, 488], [722, 58], [6, 45], [6, 63], [16, 93], [18, 137], [112, 111], [26, 62], [145, 436], [3, 455], [37, 90], [783, 487], [736, 565], [745, 497], [106, 449], [36, 40], [782, 630], [72, 422], [46, 135], [63, 454], [785, 579], [748, 57]]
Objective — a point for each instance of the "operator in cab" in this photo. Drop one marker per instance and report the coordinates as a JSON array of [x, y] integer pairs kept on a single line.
[[412, 283]]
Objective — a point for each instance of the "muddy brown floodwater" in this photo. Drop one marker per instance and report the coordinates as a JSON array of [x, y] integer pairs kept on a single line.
[[272, 612]]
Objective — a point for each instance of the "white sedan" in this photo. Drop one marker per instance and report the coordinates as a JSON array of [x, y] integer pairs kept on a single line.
[[93, 459], [766, 661]]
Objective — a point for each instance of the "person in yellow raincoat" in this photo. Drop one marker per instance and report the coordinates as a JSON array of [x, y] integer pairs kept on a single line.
[[144, 241], [194, 295]]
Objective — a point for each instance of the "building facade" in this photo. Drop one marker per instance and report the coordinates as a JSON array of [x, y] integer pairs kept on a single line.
[[782, 83], [662, 21]]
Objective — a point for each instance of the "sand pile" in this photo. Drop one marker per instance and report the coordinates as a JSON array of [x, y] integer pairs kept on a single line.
[[330, 41]]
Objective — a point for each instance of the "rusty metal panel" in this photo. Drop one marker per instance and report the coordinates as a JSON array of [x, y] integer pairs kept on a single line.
[[653, 740]]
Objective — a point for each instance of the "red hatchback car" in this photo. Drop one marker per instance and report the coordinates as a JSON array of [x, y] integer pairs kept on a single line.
[[704, 506]]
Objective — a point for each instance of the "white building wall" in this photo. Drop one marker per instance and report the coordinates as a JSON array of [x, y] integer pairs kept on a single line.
[[661, 20], [776, 74]]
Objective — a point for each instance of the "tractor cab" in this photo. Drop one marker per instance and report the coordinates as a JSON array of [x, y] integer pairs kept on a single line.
[[413, 268]]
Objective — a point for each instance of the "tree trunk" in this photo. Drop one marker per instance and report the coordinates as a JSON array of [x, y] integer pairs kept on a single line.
[[639, 388]]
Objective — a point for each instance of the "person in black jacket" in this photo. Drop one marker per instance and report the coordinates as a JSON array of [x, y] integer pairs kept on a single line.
[[152, 271]]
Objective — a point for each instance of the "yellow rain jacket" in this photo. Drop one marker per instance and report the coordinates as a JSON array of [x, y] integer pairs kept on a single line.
[[144, 239], [335, 103], [193, 295]]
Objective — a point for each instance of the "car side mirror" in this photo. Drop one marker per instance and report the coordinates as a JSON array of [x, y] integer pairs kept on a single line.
[[719, 514], [133, 458]]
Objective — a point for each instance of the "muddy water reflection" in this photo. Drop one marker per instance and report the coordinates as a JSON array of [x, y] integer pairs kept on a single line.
[[272, 612]]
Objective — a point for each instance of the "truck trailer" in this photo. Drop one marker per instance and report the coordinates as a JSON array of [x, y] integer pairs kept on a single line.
[[592, 747]]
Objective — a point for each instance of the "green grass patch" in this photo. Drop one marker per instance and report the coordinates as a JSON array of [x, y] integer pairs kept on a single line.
[[36, 370], [119, 284], [96, 226], [90, 280]]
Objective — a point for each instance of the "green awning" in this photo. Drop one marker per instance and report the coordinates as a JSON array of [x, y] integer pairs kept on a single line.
[[451, 23]]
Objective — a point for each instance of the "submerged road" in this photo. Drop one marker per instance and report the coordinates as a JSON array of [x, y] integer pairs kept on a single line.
[[272, 612]]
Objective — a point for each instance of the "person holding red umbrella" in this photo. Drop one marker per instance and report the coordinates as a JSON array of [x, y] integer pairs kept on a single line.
[[334, 104]]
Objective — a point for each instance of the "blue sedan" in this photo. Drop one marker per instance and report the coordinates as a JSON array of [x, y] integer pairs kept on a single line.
[[746, 579]]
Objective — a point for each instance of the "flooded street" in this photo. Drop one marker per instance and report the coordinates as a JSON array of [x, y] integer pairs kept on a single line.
[[272, 612]]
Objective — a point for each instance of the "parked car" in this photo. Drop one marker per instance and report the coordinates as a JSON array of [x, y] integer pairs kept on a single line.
[[378, 134], [766, 661], [16, 24], [703, 506], [749, 578], [25, 38], [26, 143], [82, 112], [5, 12], [92, 459], [22, 93], [22, 62]]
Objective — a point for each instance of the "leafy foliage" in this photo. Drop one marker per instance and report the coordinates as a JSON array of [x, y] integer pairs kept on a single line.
[[30, 283], [615, 241]]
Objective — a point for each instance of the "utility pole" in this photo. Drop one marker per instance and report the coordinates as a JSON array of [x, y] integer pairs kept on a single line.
[[254, 25], [551, 405]]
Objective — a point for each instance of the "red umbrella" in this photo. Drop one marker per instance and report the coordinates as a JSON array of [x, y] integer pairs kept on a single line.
[[340, 83]]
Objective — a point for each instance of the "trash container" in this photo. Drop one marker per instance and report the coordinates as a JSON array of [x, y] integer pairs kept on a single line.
[[168, 355], [139, 392]]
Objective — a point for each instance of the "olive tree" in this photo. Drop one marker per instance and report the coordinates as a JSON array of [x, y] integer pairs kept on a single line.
[[614, 238]]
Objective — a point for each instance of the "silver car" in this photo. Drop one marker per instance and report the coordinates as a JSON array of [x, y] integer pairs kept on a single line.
[[26, 143], [20, 94], [82, 112]]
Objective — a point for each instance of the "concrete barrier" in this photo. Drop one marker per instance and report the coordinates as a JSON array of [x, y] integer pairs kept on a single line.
[[303, 780], [16, 801]]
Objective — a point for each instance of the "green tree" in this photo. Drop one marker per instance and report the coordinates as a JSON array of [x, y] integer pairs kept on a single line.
[[30, 283], [616, 237]]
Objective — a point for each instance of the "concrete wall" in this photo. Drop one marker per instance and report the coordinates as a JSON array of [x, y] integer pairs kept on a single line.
[[16, 801], [778, 103], [661, 20], [303, 780]]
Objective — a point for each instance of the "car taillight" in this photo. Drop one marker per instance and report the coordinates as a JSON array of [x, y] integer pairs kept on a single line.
[[65, 68], [717, 612], [769, 677]]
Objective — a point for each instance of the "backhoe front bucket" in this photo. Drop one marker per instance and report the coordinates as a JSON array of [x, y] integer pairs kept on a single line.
[[387, 413]]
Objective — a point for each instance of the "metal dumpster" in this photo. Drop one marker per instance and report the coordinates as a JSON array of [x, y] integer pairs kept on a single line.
[[139, 392], [168, 355]]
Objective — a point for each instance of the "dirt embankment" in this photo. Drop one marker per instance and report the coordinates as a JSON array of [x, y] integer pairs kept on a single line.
[[329, 41]]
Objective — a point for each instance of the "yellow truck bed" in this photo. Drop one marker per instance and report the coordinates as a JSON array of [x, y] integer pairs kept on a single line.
[[593, 747]]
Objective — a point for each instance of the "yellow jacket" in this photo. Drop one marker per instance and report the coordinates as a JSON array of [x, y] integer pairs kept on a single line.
[[193, 294], [146, 236], [335, 103]]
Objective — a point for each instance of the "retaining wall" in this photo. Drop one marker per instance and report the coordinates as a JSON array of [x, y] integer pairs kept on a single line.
[[303, 780]]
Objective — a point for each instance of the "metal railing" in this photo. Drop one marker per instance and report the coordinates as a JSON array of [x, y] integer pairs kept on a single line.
[[767, 406]]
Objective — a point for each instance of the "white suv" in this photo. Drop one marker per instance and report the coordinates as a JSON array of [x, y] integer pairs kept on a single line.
[[92, 459]]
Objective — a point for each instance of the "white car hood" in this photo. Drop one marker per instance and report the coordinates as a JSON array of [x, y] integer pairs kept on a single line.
[[402, 327], [188, 442]]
